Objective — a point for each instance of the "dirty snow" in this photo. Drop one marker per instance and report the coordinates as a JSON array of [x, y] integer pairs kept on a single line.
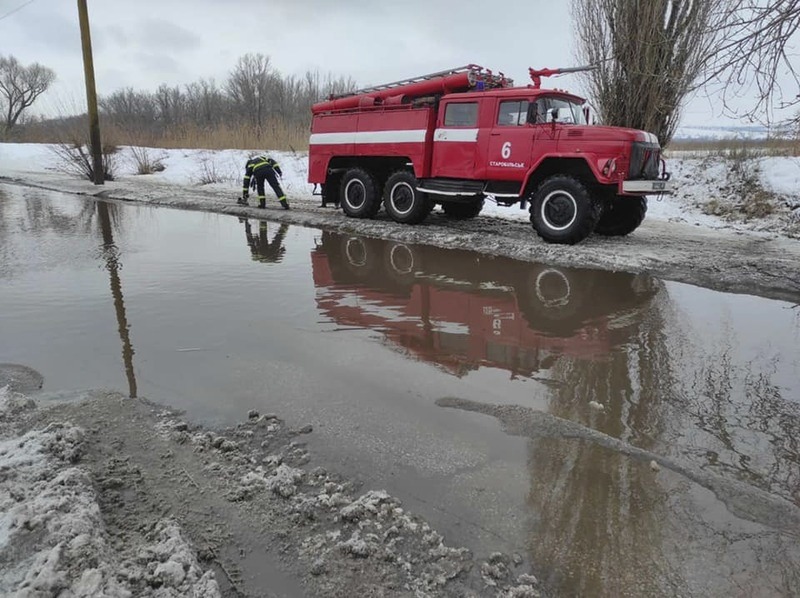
[[66, 528], [696, 179], [52, 536]]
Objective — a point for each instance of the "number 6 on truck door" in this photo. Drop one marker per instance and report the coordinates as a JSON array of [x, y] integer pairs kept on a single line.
[[509, 142]]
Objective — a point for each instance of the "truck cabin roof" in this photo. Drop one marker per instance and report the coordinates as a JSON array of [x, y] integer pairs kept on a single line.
[[518, 92]]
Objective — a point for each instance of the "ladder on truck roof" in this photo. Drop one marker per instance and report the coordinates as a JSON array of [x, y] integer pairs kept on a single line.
[[489, 79]]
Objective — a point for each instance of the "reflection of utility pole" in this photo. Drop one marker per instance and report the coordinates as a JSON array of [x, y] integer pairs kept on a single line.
[[109, 250], [91, 94]]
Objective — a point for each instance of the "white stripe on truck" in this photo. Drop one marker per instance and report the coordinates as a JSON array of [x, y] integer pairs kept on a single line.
[[455, 135], [407, 136]]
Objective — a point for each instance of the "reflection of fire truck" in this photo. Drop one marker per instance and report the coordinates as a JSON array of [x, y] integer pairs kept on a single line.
[[463, 310]]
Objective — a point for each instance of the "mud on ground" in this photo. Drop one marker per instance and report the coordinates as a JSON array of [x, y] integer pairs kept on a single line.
[[111, 496]]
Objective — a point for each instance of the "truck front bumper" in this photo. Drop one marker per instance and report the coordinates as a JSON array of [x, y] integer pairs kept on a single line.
[[660, 186]]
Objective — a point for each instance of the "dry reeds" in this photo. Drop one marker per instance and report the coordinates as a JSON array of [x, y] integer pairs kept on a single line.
[[274, 135], [735, 147]]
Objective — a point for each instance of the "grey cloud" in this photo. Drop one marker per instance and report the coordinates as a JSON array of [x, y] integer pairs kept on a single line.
[[162, 34], [50, 32], [117, 33], [158, 64]]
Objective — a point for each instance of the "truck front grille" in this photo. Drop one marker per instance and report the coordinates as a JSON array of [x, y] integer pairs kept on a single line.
[[645, 160]]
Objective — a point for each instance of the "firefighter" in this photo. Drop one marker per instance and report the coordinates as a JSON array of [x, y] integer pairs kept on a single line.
[[262, 167], [261, 249]]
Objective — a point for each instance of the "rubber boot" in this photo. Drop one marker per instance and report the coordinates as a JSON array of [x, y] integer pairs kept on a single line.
[[284, 204]]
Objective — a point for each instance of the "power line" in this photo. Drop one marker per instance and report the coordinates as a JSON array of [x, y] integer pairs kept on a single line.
[[17, 9]]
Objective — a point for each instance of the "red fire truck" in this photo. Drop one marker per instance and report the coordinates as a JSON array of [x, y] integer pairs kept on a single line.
[[458, 137]]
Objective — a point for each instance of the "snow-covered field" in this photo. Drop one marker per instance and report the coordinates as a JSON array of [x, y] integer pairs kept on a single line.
[[709, 190], [729, 132]]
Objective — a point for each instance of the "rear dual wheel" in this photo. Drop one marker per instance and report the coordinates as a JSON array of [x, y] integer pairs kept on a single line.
[[358, 194], [403, 201]]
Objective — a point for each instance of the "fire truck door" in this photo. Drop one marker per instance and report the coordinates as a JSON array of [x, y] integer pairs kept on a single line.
[[455, 140], [510, 143]]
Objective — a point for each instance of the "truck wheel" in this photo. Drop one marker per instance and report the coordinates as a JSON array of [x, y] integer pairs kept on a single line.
[[358, 194], [402, 200], [562, 211], [621, 216], [463, 210]]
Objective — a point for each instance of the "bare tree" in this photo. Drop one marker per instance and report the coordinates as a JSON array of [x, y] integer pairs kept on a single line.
[[206, 104], [753, 53], [248, 86], [131, 110], [171, 104], [650, 55], [20, 86]]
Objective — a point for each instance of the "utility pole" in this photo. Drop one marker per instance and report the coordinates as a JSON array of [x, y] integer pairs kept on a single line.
[[91, 94]]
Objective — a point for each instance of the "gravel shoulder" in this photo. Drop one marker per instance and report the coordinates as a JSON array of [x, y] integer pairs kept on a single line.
[[733, 261]]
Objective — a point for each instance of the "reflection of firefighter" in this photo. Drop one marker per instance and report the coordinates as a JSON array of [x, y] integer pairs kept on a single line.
[[261, 248]]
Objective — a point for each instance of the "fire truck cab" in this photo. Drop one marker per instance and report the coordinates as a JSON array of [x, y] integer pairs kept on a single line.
[[459, 137]]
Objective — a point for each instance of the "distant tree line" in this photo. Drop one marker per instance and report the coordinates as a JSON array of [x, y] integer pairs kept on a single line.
[[256, 106], [255, 99]]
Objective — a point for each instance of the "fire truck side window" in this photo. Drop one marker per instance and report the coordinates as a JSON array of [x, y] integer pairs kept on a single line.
[[513, 113], [462, 114]]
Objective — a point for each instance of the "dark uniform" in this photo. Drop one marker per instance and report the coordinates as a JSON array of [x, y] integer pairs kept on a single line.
[[262, 168], [260, 247]]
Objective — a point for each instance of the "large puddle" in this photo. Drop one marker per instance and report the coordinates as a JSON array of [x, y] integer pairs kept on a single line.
[[626, 436]]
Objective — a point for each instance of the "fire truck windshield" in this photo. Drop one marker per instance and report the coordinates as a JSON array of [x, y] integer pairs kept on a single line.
[[568, 111]]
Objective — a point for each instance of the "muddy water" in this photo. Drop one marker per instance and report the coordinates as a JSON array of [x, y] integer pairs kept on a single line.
[[626, 436]]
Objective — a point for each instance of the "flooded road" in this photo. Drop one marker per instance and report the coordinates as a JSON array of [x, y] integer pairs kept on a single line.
[[625, 436]]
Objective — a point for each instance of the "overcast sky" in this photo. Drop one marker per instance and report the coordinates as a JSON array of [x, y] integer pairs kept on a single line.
[[143, 43]]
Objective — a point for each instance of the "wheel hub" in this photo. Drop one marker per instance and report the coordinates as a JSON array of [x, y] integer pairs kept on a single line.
[[559, 210], [402, 198], [355, 194]]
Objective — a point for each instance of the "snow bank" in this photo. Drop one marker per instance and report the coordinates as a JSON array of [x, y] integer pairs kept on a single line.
[[782, 175], [53, 541]]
